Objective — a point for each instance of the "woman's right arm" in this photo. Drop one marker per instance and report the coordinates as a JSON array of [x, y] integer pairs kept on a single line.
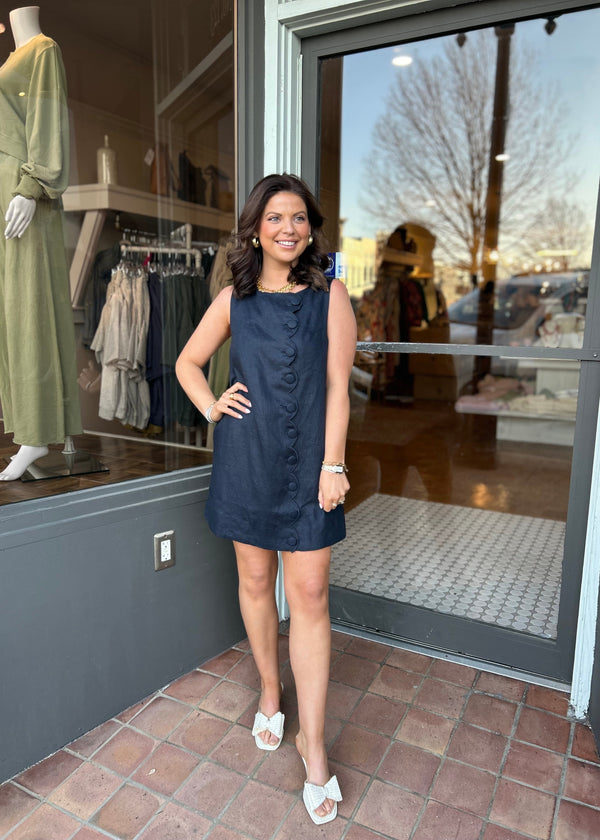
[[212, 331]]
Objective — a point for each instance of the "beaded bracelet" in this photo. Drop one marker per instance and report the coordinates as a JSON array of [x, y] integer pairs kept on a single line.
[[334, 468]]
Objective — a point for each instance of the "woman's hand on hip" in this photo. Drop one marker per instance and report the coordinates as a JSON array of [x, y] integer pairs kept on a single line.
[[232, 401], [332, 490]]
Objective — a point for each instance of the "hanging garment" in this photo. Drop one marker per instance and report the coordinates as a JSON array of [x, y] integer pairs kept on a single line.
[[267, 465], [185, 300], [38, 374], [120, 347], [154, 367], [218, 372], [95, 293]]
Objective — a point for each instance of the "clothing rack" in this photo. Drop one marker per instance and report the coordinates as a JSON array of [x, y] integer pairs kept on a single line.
[[126, 248], [184, 234], [211, 247]]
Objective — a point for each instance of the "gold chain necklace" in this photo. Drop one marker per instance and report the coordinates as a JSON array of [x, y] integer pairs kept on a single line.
[[287, 288]]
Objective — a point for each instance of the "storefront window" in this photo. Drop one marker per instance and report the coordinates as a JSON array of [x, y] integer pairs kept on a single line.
[[460, 179], [150, 198]]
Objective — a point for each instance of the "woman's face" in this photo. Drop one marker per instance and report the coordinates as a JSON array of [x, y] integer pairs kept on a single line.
[[284, 229]]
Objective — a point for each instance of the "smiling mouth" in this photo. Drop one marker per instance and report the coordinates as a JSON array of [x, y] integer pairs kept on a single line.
[[287, 243]]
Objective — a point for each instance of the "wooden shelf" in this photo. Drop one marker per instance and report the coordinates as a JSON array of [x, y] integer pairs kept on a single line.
[[557, 429], [88, 197]]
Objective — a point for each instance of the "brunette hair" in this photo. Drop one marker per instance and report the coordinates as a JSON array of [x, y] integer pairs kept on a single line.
[[245, 260]]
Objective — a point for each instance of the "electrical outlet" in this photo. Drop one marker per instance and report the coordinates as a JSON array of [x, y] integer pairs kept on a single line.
[[164, 550]]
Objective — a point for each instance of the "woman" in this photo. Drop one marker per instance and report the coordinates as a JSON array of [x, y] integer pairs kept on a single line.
[[279, 477]]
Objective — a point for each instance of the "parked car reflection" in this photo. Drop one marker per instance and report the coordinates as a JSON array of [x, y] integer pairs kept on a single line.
[[521, 306]]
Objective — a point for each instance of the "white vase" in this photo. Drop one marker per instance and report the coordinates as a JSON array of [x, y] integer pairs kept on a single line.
[[107, 163]]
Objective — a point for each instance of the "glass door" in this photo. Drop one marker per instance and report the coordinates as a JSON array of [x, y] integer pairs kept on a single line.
[[459, 176]]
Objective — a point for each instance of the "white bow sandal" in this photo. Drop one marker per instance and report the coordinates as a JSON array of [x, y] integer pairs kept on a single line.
[[315, 795], [273, 724]]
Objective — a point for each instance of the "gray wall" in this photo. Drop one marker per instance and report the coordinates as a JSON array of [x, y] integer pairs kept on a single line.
[[87, 626]]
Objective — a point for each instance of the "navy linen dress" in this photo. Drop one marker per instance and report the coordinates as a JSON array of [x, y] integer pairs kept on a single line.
[[266, 466]]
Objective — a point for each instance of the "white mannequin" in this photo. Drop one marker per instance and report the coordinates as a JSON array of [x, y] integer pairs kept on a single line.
[[25, 25]]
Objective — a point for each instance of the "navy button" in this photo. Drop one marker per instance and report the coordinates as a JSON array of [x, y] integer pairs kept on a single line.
[[292, 459], [290, 377], [289, 351], [292, 485], [292, 541], [292, 322], [291, 407], [292, 432]]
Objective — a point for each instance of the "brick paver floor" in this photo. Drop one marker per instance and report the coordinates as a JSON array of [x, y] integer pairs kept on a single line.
[[424, 749]]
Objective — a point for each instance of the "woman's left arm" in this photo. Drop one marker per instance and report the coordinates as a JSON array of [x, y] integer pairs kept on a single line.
[[341, 334]]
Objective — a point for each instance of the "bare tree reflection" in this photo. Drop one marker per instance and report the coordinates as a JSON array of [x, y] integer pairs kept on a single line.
[[431, 147]]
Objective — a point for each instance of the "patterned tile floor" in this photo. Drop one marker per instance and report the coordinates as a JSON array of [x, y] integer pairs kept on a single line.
[[501, 568], [424, 749]]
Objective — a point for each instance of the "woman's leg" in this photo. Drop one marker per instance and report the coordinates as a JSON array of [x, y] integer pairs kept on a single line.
[[257, 570], [306, 578]]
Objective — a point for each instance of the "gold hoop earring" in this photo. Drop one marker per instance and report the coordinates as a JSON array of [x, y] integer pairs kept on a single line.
[[310, 239], [255, 242]]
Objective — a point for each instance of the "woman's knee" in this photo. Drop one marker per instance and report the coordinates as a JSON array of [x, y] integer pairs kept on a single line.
[[257, 584], [309, 594], [257, 576]]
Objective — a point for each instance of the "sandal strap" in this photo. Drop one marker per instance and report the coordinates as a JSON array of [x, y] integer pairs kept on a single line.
[[273, 724], [317, 794]]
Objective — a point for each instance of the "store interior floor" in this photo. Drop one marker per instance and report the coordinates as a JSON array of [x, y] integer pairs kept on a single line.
[[426, 450], [423, 748], [126, 458]]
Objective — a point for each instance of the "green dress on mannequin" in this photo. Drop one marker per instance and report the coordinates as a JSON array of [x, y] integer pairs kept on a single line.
[[38, 375]]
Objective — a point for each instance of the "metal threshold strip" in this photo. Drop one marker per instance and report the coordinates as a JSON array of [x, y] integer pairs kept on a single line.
[[581, 354]]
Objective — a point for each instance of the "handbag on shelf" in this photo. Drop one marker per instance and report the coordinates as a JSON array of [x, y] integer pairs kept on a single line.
[[163, 177], [192, 186]]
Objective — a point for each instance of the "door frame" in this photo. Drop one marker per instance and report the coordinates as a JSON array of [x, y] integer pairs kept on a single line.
[[304, 33]]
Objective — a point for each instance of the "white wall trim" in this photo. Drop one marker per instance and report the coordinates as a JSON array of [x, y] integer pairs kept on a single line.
[[311, 17], [283, 94], [282, 604], [285, 24], [585, 642]]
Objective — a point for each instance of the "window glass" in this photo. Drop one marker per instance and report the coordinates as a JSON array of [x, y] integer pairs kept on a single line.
[[149, 200], [459, 179]]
